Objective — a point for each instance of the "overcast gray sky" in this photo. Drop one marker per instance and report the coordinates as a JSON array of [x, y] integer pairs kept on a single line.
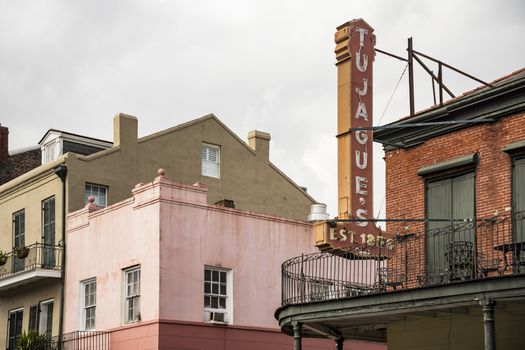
[[265, 65]]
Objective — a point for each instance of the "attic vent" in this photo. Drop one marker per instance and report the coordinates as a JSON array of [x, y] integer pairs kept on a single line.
[[227, 203]]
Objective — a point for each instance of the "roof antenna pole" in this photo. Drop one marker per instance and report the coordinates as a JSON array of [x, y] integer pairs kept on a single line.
[[411, 75]]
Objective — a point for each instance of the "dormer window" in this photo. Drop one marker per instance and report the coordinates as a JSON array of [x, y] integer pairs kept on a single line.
[[50, 152], [57, 142]]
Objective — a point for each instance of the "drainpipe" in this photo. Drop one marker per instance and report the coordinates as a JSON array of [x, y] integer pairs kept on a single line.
[[297, 334], [487, 306], [61, 172]]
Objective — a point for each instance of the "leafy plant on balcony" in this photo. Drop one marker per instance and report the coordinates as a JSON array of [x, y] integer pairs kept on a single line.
[[3, 258], [33, 341], [22, 252]]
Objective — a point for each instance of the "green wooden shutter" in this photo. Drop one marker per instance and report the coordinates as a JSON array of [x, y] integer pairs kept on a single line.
[[463, 207], [48, 227], [33, 318], [49, 318], [451, 198], [438, 207], [15, 328], [518, 198]]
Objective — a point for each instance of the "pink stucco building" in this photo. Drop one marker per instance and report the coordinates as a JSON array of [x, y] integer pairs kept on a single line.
[[166, 270]]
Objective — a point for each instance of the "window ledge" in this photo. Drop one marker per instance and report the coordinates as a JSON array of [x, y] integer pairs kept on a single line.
[[514, 146], [470, 159]]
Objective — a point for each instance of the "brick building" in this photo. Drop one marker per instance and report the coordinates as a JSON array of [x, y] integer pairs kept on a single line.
[[18, 162], [453, 275]]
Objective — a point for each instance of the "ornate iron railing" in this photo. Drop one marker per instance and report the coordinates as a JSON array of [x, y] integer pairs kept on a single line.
[[37, 255], [454, 252]]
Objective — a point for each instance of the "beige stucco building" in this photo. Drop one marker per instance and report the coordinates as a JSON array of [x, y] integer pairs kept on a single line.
[[204, 150]]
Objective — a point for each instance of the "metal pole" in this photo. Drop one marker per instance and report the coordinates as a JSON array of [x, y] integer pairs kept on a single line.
[[440, 77], [339, 344], [411, 76], [487, 306], [297, 335], [61, 172], [433, 76], [433, 89]]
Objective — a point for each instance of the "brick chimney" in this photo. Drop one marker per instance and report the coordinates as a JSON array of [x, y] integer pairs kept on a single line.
[[4, 143], [260, 142]]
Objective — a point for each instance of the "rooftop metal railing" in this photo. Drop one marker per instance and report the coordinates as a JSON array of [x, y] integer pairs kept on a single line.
[[453, 252]]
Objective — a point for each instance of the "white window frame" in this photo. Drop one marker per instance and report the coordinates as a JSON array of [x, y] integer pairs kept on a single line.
[[131, 297], [210, 167], [86, 308], [94, 190], [228, 309], [51, 151], [42, 316]]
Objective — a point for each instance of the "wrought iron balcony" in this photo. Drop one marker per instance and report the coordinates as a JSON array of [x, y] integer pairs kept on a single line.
[[456, 252], [33, 262]]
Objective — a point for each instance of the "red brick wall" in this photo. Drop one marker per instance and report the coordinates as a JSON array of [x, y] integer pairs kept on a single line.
[[4, 143], [405, 190]]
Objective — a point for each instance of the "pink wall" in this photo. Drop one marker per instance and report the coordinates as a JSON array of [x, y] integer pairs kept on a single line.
[[174, 221], [253, 246], [100, 244], [171, 231]]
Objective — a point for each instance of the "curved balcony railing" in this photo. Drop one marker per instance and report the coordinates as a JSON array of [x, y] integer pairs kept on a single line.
[[452, 253], [34, 256]]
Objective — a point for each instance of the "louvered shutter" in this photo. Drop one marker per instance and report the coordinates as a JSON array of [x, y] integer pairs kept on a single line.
[[463, 207], [49, 319], [33, 318], [518, 195], [438, 207], [210, 161]]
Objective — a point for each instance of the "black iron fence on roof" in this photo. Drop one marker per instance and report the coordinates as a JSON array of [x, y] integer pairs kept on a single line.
[[453, 252]]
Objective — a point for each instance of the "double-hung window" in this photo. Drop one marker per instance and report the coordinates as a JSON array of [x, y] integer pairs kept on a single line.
[[100, 193], [217, 294], [132, 295], [41, 317], [88, 304], [50, 152], [211, 160], [45, 320]]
